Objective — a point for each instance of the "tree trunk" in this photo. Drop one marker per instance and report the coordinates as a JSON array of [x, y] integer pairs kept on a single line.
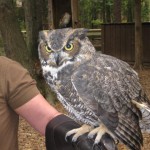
[[31, 27], [14, 44], [33, 17], [104, 11], [130, 11], [108, 14], [138, 36], [117, 11]]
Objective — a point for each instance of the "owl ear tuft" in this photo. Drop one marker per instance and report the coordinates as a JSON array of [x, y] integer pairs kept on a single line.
[[43, 35], [82, 33]]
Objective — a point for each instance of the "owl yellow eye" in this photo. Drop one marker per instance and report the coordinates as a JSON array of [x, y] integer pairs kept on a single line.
[[69, 47], [48, 49]]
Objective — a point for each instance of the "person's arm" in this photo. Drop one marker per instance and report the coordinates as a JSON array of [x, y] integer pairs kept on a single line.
[[54, 125], [23, 96], [38, 112]]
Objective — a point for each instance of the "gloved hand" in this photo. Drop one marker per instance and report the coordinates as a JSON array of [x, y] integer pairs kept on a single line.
[[56, 131]]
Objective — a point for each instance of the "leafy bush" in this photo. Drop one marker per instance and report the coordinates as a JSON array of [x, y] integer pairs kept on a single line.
[[96, 23]]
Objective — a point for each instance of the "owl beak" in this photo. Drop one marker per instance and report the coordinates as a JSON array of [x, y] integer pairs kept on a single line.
[[58, 59]]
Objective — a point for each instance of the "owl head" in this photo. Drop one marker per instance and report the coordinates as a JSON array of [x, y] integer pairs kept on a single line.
[[60, 47]]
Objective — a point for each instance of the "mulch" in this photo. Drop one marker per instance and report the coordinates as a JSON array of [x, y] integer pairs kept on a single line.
[[29, 139]]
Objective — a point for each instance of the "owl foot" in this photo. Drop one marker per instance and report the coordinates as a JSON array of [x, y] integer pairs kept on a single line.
[[99, 132], [78, 132]]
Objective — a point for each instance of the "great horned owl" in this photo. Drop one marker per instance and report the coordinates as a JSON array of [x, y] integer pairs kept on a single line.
[[99, 91]]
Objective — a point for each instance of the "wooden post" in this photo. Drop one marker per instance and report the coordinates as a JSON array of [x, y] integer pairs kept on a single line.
[[56, 8], [50, 15], [138, 36], [75, 13], [103, 37]]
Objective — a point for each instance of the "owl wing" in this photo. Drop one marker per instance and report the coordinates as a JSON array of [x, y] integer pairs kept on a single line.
[[107, 85]]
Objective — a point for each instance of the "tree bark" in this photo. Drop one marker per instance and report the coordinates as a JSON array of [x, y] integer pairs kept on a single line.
[[130, 11], [14, 44], [138, 36], [33, 20], [31, 27], [104, 11], [117, 11], [108, 14]]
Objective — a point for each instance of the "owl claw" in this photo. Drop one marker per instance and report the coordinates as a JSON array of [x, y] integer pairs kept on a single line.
[[78, 132], [99, 132], [69, 133]]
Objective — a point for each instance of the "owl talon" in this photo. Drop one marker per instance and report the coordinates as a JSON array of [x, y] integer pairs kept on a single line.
[[78, 132], [93, 132], [69, 133], [99, 132]]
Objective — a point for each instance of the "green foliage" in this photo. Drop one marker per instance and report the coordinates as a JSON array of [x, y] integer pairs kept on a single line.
[[89, 11], [96, 23], [95, 12], [127, 10], [145, 11]]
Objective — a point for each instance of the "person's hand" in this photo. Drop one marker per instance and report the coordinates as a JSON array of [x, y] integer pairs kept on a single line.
[[56, 131]]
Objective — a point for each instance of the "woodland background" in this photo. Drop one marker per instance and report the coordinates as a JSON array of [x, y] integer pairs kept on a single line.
[[21, 21]]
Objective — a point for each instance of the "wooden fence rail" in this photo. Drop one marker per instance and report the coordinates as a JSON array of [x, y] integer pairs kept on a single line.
[[95, 37]]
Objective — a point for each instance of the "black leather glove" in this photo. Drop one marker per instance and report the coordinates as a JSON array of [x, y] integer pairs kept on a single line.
[[56, 131]]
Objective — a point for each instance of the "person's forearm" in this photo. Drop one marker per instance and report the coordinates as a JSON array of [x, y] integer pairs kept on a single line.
[[38, 112]]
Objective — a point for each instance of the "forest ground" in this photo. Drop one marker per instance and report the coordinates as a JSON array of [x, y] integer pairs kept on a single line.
[[29, 139]]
